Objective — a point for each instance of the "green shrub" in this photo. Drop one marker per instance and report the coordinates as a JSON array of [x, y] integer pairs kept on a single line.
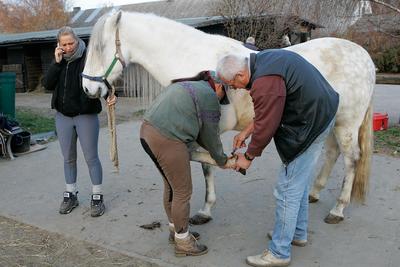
[[389, 60]]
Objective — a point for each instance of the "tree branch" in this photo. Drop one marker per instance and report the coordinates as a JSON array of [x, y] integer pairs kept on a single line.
[[386, 5], [390, 34]]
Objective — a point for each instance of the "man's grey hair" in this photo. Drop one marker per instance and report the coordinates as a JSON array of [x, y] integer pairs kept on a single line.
[[230, 65], [66, 31], [251, 40]]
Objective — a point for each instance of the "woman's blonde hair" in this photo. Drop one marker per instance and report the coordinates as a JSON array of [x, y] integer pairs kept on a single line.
[[66, 30]]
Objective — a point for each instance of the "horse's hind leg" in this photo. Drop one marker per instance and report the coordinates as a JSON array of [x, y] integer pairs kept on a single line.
[[331, 154], [348, 142], [204, 215]]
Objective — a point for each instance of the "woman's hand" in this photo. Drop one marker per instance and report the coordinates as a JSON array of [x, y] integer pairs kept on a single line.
[[58, 54], [230, 163], [111, 100]]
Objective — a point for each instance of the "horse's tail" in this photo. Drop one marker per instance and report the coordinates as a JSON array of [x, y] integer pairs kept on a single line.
[[362, 170]]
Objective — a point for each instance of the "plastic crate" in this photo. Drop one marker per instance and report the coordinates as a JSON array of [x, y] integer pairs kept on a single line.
[[381, 121]]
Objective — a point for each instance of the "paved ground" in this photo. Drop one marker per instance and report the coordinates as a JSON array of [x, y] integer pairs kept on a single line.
[[386, 100], [31, 188]]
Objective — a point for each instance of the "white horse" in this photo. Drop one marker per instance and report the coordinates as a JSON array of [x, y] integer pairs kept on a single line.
[[170, 50]]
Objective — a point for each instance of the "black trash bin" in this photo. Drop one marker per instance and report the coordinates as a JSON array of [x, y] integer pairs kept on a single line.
[[21, 142]]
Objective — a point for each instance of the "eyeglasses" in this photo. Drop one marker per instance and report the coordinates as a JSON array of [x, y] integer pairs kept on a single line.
[[233, 81]]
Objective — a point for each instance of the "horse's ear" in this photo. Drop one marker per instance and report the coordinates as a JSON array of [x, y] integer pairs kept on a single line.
[[119, 14], [115, 18]]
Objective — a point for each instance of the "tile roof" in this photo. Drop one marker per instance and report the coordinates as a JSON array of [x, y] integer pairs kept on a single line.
[[34, 37]]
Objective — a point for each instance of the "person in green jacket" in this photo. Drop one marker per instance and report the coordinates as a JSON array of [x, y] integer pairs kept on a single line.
[[187, 111]]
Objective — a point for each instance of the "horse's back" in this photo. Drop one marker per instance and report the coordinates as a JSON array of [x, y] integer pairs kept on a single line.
[[348, 68]]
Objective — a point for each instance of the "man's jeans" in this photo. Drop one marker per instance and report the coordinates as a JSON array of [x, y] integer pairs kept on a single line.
[[291, 193]]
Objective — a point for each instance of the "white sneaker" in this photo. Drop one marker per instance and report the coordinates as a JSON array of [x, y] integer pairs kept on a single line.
[[266, 259]]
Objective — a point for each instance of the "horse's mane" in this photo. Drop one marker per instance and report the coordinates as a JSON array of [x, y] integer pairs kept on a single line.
[[96, 43]]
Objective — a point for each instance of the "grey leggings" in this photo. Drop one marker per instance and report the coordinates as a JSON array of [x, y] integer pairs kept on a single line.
[[86, 128]]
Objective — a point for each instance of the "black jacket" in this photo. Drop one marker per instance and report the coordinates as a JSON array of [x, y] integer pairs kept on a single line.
[[64, 79], [311, 102]]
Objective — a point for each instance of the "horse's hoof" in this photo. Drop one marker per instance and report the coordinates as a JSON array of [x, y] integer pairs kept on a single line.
[[312, 199], [199, 219], [333, 219]]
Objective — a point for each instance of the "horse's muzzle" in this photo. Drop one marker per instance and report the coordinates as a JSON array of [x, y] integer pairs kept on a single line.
[[97, 95]]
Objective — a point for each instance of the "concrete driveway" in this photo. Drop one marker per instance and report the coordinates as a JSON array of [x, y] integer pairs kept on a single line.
[[31, 190]]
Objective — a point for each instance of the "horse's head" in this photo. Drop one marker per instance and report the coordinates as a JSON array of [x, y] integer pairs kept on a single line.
[[104, 60]]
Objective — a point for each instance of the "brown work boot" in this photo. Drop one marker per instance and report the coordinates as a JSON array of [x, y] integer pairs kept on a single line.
[[171, 238], [189, 247]]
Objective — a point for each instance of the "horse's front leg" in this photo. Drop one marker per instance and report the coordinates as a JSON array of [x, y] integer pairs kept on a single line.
[[204, 157], [204, 215]]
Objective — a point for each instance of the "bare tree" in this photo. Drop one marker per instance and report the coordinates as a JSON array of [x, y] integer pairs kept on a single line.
[[386, 17], [244, 18], [379, 34], [268, 20], [388, 4], [336, 16], [32, 15], [333, 15]]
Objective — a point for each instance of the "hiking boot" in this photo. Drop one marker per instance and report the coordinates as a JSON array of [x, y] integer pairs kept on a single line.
[[295, 242], [266, 259], [189, 247], [171, 238], [97, 207], [70, 202]]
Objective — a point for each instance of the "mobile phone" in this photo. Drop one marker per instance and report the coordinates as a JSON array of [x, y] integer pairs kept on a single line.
[[58, 45]]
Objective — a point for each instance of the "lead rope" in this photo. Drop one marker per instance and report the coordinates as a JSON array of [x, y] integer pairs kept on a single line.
[[111, 109], [113, 133]]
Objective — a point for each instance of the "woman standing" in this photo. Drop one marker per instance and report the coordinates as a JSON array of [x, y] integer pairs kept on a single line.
[[76, 117]]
